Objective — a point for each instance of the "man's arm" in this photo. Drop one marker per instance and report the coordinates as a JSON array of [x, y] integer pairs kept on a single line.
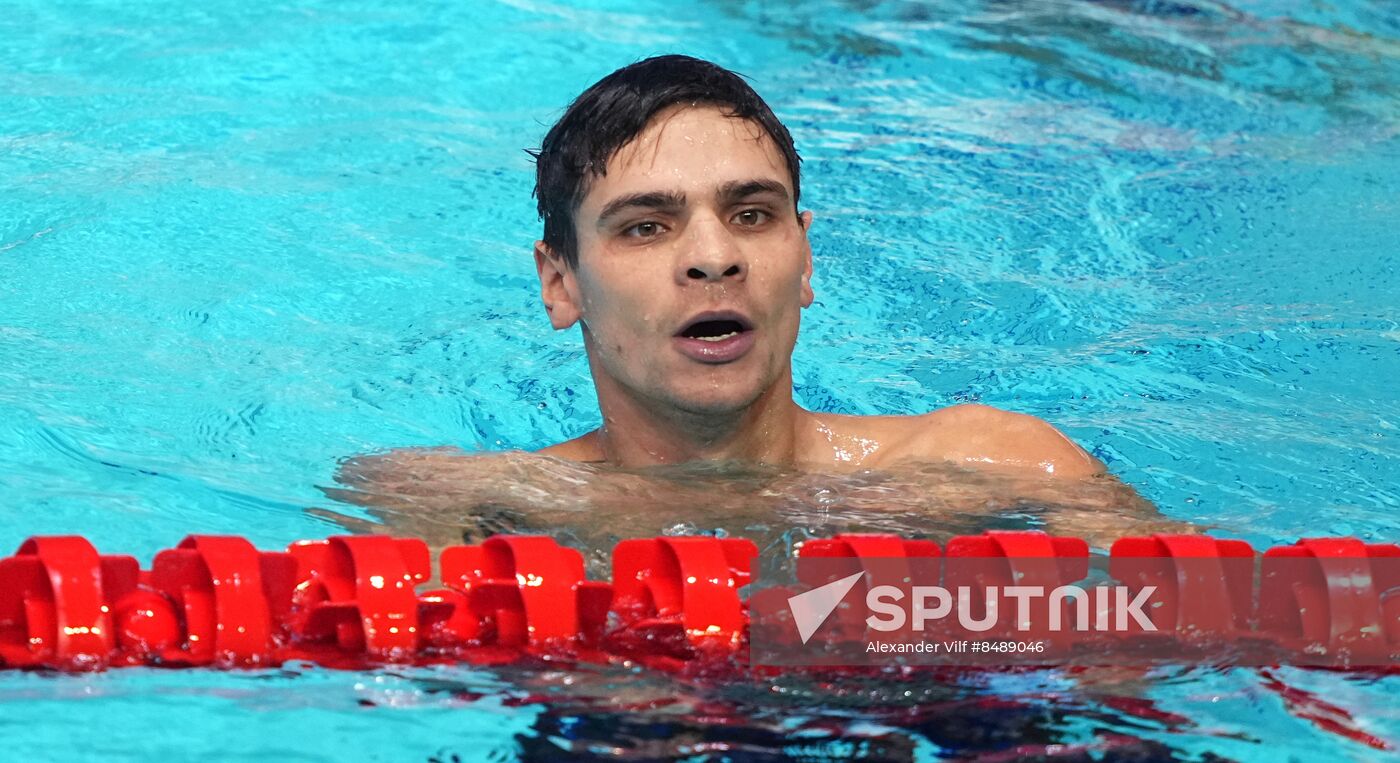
[[442, 495]]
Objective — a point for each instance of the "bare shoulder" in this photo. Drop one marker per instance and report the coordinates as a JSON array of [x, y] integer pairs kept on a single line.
[[983, 436], [582, 448]]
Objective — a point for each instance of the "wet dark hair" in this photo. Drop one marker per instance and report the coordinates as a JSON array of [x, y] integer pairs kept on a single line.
[[612, 112]]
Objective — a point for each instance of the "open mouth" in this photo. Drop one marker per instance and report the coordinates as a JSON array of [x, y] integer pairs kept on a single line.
[[716, 337], [714, 330]]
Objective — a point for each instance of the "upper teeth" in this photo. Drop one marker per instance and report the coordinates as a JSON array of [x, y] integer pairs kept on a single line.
[[717, 338]]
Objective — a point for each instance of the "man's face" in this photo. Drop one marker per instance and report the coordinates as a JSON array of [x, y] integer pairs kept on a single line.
[[693, 267]]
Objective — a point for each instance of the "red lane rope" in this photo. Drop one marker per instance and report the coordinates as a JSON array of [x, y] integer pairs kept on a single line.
[[672, 601]]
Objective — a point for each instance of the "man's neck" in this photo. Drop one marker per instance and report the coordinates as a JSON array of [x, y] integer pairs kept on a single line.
[[637, 434]]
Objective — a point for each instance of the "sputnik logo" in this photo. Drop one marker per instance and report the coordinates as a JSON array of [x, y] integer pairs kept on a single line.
[[812, 608]]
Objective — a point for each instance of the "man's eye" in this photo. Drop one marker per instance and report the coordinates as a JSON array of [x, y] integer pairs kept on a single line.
[[643, 230], [752, 217]]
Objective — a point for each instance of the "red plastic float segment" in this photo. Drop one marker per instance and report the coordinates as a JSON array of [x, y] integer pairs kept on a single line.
[[885, 559], [358, 591], [880, 556], [1004, 559], [867, 545], [54, 596], [1018, 543], [233, 598], [1019, 555], [1204, 587], [532, 589], [686, 587], [148, 629], [446, 620], [1338, 595]]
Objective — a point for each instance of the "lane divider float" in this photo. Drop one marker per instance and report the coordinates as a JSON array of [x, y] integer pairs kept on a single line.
[[674, 603]]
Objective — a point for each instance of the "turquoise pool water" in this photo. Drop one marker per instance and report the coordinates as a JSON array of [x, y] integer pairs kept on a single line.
[[242, 241]]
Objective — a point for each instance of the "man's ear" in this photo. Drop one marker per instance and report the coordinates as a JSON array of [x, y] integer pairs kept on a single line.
[[807, 294], [558, 289]]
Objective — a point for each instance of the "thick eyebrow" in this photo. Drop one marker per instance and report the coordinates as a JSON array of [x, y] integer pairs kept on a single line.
[[736, 190], [663, 200], [670, 201]]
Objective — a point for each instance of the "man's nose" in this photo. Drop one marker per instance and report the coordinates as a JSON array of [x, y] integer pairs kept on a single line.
[[712, 254]]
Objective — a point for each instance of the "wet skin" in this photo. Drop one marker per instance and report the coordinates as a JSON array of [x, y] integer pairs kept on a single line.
[[694, 220], [696, 217]]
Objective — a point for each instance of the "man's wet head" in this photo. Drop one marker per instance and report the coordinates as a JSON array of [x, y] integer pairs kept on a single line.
[[669, 192]]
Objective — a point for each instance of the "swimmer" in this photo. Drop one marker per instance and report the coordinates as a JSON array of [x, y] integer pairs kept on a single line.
[[675, 241], [673, 238]]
